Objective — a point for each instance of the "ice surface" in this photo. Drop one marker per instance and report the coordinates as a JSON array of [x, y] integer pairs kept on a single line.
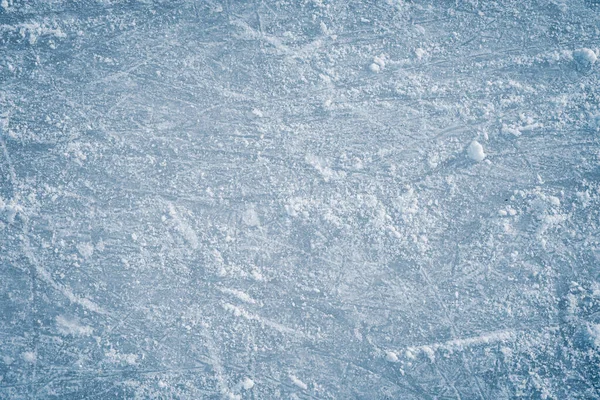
[[317, 199]]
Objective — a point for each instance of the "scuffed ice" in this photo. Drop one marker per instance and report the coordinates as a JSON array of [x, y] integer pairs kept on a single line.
[[299, 199]]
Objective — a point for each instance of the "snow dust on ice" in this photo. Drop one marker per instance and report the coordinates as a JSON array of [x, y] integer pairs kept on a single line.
[[318, 199]]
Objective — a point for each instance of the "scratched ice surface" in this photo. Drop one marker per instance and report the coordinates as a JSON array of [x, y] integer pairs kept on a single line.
[[299, 199]]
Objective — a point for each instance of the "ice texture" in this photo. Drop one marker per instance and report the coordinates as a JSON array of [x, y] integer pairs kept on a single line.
[[320, 199]]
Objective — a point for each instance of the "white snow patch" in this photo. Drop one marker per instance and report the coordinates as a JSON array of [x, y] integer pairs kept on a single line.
[[240, 312], [247, 383], [100, 245], [420, 53], [324, 28], [45, 275], [240, 295], [131, 358], [68, 326], [297, 206], [553, 200], [429, 352], [594, 332], [250, 217], [506, 352], [475, 151], [296, 381], [183, 228], [460, 344], [85, 249], [378, 63], [321, 166], [408, 203], [12, 210], [512, 130], [32, 30], [114, 356], [29, 356], [257, 275], [236, 311]]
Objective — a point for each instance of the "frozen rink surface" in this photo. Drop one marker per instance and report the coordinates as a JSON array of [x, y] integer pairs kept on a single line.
[[325, 199]]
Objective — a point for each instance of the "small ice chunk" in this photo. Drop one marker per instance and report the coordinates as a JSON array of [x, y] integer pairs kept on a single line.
[[475, 151], [553, 200], [379, 61], [12, 210], [585, 57], [247, 383], [374, 67], [391, 356], [296, 381]]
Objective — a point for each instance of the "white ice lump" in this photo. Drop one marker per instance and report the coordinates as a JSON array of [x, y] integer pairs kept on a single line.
[[585, 57], [475, 151]]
